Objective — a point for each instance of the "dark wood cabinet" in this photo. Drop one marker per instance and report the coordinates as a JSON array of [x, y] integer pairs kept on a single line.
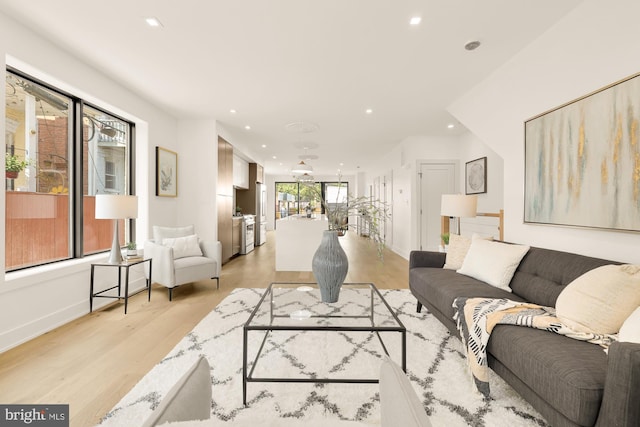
[[236, 237]]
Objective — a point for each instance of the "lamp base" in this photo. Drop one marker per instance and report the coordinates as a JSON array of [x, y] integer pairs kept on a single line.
[[115, 256]]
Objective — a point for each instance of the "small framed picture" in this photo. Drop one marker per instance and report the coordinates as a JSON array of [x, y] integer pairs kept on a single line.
[[476, 176], [166, 173]]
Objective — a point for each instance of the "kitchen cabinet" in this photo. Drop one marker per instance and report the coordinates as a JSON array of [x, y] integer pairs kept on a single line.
[[259, 174], [240, 173]]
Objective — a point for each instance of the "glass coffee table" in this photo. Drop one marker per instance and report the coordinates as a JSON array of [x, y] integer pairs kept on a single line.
[[290, 329]]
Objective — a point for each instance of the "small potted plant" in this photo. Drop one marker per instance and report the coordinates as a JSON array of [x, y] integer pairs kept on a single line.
[[13, 165], [445, 240], [132, 250]]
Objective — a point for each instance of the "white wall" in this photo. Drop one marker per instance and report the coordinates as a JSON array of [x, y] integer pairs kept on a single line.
[[404, 161], [36, 300], [593, 46], [198, 168]]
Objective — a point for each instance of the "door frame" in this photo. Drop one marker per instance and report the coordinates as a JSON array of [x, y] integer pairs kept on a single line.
[[418, 206]]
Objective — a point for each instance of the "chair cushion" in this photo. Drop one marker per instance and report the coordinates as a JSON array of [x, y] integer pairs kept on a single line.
[[161, 233], [192, 269], [399, 403], [189, 399]]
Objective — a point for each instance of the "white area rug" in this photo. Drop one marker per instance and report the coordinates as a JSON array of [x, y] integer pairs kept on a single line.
[[435, 365]]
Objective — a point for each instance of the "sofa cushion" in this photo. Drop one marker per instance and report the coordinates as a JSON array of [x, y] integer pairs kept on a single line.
[[600, 300], [493, 262], [543, 274], [189, 398], [440, 287], [566, 373]]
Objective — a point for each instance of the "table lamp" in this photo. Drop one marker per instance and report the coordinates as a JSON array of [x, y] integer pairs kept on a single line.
[[459, 206], [116, 207]]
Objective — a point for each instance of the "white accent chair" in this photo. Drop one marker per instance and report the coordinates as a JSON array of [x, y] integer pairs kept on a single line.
[[176, 263]]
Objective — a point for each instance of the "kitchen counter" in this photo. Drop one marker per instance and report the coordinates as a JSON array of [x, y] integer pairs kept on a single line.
[[297, 239]]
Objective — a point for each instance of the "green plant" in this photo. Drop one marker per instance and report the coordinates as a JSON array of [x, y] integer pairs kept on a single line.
[[373, 212], [132, 246], [13, 164], [445, 238]]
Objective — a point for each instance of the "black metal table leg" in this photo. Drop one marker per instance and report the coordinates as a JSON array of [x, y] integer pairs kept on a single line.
[[126, 287], [91, 290]]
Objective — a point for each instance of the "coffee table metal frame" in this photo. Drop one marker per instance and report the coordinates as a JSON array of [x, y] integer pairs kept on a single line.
[[247, 376]]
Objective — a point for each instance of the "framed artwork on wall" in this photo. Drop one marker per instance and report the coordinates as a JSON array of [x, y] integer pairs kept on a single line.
[[582, 161], [475, 176], [166, 173]]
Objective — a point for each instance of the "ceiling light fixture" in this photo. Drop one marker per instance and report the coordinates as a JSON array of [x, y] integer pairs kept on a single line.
[[232, 111], [450, 126], [368, 111], [247, 127], [302, 168], [153, 22], [415, 20], [305, 177], [264, 145], [472, 45]]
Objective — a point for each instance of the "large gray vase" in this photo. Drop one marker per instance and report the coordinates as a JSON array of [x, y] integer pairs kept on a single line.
[[330, 266]]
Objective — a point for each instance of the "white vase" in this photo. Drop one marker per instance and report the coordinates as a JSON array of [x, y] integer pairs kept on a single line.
[[330, 266]]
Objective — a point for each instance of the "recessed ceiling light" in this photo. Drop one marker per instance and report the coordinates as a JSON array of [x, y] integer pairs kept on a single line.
[[232, 111], [247, 127], [264, 145], [341, 164], [415, 20], [472, 45], [274, 157], [450, 126], [153, 22], [368, 111]]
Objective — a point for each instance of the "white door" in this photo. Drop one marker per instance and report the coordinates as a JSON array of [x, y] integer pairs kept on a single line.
[[435, 179]]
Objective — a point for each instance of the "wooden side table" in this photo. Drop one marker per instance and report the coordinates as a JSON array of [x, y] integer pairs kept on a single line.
[[124, 265]]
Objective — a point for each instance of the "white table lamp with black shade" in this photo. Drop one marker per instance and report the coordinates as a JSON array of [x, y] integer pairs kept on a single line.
[[116, 207], [459, 206]]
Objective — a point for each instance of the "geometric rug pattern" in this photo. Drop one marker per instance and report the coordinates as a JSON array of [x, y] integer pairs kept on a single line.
[[436, 367]]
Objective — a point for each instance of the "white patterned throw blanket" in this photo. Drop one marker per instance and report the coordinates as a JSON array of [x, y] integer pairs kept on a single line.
[[476, 318]]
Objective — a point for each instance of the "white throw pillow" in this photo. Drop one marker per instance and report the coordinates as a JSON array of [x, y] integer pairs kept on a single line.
[[493, 262], [600, 300], [630, 330], [183, 246], [458, 248]]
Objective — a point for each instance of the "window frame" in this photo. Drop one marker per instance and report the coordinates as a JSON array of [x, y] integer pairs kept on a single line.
[[76, 161]]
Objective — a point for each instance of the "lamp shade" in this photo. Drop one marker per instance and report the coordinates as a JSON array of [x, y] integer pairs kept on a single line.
[[459, 205], [302, 167], [116, 206]]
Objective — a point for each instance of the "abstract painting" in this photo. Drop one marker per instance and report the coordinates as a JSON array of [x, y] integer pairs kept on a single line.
[[166, 173], [582, 161]]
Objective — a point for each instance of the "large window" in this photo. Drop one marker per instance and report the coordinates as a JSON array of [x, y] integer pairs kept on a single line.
[[60, 153], [296, 198]]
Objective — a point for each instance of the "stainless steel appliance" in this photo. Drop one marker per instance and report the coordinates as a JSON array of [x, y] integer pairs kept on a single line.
[[261, 214], [248, 234]]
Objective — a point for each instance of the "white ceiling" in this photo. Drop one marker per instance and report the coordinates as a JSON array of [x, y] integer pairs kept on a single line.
[[281, 61]]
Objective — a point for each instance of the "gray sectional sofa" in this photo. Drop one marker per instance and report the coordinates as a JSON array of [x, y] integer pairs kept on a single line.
[[570, 382]]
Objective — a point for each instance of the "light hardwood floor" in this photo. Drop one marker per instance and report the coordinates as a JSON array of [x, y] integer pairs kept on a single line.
[[91, 363]]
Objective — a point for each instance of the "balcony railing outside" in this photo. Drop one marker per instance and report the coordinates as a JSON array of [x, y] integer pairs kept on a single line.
[[37, 228]]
